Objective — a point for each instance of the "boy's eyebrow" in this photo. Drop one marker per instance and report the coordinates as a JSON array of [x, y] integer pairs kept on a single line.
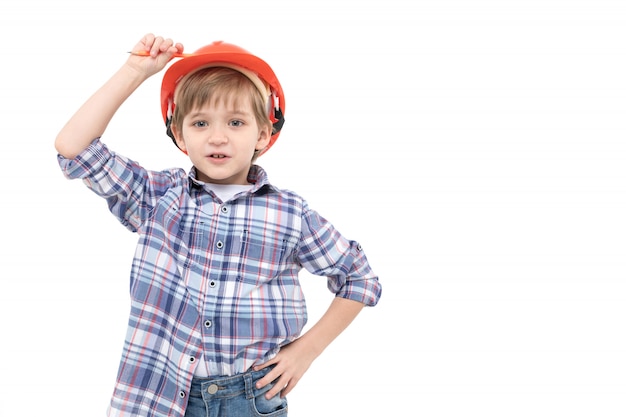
[[235, 112], [240, 112]]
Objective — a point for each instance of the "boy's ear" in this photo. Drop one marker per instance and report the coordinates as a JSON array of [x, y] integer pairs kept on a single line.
[[264, 139]]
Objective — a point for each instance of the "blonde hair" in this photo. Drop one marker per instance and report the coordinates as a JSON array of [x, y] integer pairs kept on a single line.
[[219, 85]]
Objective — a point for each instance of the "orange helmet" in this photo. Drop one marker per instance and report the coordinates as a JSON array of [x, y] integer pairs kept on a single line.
[[220, 54]]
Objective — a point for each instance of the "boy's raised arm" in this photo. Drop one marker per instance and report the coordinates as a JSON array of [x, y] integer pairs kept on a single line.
[[92, 118]]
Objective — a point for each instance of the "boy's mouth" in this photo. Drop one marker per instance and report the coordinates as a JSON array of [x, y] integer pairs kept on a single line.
[[218, 156]]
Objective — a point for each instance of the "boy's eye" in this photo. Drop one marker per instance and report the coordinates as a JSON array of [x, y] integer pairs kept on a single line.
[[236, 123], [200, 124]]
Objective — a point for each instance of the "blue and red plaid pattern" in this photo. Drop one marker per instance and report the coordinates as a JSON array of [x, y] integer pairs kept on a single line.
[[212, 281]]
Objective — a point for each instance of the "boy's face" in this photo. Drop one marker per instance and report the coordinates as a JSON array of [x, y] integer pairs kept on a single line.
[[220, 141]]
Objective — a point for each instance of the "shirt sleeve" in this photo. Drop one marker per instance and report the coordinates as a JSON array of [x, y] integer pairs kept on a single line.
[[324, 251], [89, 160], [129, 189]]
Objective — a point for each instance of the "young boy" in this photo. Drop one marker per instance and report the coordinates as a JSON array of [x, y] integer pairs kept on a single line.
[[216, 308]]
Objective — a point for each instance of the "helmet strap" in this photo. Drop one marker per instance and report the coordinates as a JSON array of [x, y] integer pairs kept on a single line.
[[280, 121], [168, 130]]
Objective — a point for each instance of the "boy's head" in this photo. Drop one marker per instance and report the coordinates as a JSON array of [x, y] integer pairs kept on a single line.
[[215, 86], [225, 72]]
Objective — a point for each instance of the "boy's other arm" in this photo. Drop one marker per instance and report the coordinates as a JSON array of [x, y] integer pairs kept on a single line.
[[294, 359]]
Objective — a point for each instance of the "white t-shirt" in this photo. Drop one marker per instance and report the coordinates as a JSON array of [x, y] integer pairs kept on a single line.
[[226, 191]]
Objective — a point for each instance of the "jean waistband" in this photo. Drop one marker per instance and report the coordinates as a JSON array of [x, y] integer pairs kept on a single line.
[[227, 386]]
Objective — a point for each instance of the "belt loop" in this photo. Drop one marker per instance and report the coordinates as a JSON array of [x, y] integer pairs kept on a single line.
[[247, 377]]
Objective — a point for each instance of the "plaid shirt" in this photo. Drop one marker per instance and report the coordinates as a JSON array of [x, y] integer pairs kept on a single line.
[[212, 281]]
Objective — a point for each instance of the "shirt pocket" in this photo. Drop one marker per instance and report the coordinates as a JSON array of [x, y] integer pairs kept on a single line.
[[179, 233], [262, 258]]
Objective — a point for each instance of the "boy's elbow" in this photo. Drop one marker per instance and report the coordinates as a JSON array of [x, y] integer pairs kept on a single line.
[[58, 146], [65, 148], [62, 150]]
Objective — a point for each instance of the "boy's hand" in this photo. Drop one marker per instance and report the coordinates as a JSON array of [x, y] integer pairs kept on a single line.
[[160, 52], [292, 361]]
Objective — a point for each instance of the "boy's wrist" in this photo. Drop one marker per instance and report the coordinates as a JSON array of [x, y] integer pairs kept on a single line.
[[133, 74]]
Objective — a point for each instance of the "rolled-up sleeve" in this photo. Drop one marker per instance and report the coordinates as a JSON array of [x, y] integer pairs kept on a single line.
[[88, 161], [324, 251]]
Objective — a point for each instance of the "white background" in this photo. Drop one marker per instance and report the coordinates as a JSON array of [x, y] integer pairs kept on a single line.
[[475, 148]]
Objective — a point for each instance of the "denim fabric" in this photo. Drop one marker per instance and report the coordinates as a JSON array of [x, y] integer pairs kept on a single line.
[[233, 396]]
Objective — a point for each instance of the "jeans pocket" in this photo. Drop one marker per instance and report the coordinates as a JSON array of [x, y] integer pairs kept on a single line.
[[275, 406]]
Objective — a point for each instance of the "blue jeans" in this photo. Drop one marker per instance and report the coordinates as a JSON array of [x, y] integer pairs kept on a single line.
[[233, 396]]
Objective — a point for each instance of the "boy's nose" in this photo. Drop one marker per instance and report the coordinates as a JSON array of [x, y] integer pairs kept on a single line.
[[217, 137]]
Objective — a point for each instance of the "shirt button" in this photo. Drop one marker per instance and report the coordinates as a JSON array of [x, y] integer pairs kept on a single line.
[[182, 394], [208, 323], [212, 284], [224, 209], [192, 359], [212, 389], [219, 244]]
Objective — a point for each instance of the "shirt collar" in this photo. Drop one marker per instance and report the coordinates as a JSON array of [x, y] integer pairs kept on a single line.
[[256, 176]]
